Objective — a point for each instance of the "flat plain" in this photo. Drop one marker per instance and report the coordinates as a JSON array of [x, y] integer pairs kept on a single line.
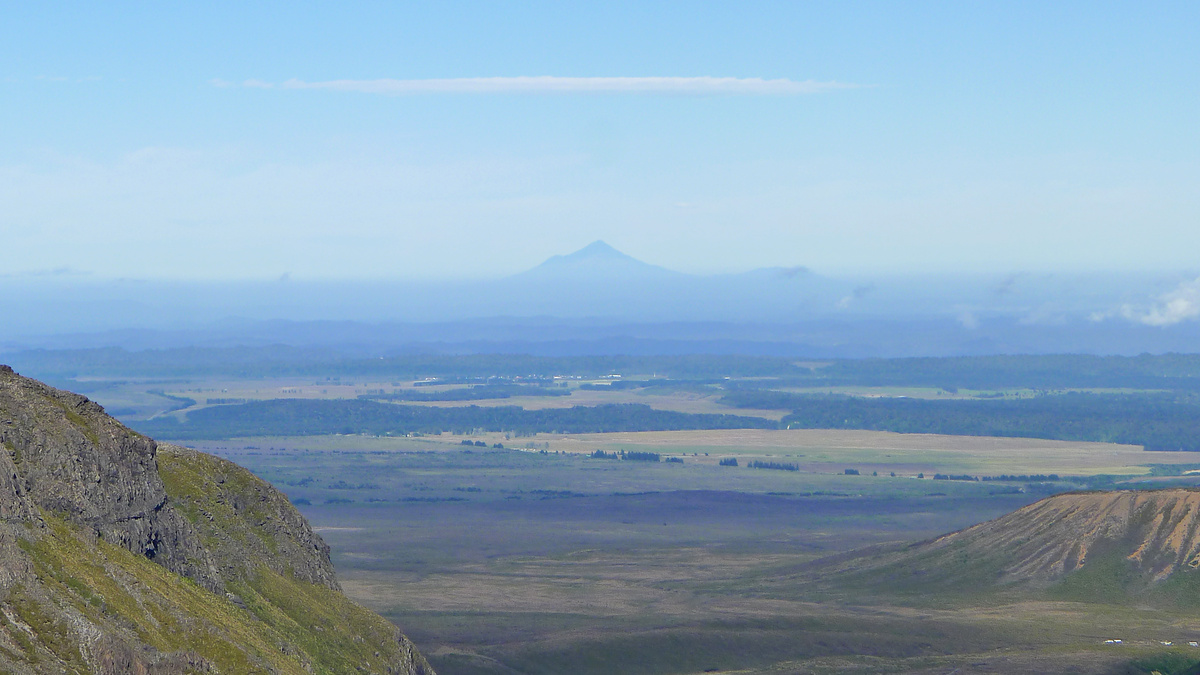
[[144, 398], [543, 559], [149, 397], [503, 553]]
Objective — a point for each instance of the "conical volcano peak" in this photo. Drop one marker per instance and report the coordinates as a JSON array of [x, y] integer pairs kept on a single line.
[[597, 249], [597, 260], [597, 252]]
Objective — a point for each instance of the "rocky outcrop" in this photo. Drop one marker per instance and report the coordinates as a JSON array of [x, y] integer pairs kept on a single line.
[[244, 521], [65, 456], [121, 556]]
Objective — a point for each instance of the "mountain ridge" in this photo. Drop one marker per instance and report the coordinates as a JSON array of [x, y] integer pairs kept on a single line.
[[118, 555]]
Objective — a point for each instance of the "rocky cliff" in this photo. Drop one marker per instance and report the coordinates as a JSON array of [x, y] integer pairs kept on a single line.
[[118, 555]]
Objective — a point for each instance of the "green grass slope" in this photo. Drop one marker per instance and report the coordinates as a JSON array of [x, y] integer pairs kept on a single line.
[[118, 555]]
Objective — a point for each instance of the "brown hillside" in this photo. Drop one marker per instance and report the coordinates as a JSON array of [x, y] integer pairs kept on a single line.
[[1158, 532], [1113, 546]]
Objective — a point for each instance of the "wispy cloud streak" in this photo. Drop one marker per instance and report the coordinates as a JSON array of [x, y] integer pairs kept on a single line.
[[546, 84]]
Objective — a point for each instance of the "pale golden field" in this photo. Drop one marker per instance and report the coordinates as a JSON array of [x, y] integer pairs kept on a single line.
[[815, 449], [812, 450], [975, 454]]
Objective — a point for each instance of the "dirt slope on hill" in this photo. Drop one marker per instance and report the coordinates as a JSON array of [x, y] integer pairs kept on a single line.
[[1094, 546], [1157, 532]]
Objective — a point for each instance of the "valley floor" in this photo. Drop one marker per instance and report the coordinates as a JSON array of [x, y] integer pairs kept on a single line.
[[502, 562]]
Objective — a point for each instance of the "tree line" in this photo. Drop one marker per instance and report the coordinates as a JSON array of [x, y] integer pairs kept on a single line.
[[304, 417], [1158, 421]]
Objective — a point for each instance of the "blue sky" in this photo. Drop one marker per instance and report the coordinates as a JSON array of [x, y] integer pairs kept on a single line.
[[855, 138]]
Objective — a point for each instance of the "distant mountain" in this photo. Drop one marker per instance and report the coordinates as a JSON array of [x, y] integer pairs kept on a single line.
[[600, 261], [600, 281], [596, 261], [600, 298]]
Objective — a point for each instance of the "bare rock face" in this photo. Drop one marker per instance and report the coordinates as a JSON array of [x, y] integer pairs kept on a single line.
[[121, 556], [67, 457]]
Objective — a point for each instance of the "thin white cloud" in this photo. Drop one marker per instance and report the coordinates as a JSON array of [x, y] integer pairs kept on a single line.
[[1179, 305], [1176, 306], [257, 84], [547, 84]]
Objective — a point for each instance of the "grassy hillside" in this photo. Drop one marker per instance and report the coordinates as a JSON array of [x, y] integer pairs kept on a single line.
[[268, 621], [118, 556], [128, 596]]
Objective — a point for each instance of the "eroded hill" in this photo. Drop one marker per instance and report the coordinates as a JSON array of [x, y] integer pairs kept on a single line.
[[118, 555], [1096, 546]]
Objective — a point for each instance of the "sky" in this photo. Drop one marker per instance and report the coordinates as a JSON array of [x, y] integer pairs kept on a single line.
[[223, 141]]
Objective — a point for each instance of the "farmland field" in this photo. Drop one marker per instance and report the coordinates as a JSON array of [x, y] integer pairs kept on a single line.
[[816, 451], [146, 398]]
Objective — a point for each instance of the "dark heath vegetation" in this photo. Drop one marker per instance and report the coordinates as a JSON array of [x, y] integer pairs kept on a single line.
[[680, 515]]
